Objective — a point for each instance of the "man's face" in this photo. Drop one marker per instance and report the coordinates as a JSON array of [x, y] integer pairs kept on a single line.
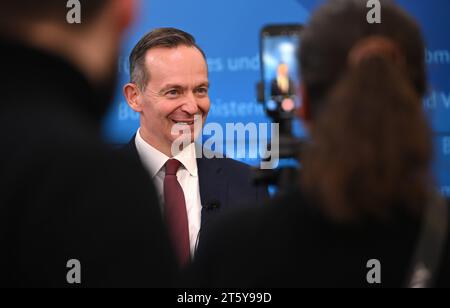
[[176, 92], [283, 70]]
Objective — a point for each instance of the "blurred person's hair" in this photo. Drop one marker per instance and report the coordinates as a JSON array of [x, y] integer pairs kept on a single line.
[[158, 38], [371, 143]]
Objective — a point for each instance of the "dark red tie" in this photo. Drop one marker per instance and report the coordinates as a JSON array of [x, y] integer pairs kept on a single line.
[[176, 214]]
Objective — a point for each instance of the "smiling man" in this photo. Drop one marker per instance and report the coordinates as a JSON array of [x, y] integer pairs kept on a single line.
[[169, 87]]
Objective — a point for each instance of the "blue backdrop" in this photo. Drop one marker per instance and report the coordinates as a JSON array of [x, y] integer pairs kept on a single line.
[[228, 31]]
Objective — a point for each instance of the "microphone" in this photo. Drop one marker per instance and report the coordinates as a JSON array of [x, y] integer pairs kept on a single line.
[[209, 206], [212, 205]]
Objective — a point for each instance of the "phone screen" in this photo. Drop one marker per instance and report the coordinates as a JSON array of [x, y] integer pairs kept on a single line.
[[280, 67]]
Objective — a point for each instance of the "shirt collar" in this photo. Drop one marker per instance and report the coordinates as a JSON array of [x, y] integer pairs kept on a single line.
[[188, 159], [154, 160]]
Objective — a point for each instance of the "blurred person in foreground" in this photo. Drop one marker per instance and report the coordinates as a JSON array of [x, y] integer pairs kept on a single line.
[[64, 195], [366, 179]]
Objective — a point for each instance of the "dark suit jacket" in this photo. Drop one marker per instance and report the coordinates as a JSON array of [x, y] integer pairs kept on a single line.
[[63, 193], [225, 185], [291, 243], [276, 91]]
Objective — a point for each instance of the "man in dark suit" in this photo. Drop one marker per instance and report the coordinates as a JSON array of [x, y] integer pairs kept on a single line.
[[73, 212], [282, 85], [169, 89]]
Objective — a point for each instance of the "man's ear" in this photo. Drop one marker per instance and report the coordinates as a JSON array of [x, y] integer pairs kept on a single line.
[[304, 113], [132, 95]]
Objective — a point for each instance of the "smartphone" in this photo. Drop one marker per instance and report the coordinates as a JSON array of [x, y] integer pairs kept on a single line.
[[280, 69]]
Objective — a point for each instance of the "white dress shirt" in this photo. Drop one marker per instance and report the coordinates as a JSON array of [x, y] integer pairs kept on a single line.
[[154, 161]]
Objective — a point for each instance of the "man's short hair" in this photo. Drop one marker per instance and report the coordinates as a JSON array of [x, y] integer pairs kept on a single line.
[[162, 37]]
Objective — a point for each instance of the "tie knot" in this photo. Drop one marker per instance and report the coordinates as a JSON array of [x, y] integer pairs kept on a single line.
[[172, 166]]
